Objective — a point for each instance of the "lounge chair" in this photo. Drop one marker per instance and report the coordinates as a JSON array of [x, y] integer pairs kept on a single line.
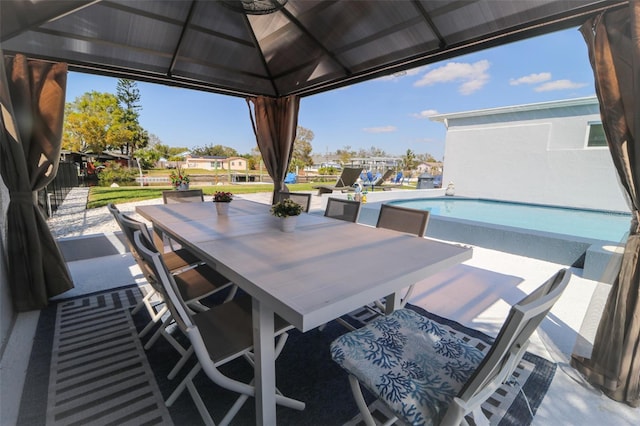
[[345, 182], [378, 179], [398, 179], [424, 373], [291, 178]]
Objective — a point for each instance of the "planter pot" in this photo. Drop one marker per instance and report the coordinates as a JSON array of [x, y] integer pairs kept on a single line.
[[222, 208], [183, 187], [288, 224]]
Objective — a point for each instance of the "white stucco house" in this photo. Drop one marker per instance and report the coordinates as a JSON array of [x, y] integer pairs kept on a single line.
[[552, 153]]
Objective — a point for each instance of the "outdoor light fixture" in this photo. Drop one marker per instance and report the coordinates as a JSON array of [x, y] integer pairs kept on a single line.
[[255, 7]]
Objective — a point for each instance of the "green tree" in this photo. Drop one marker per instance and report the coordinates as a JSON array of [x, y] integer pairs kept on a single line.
[[345, 154], [93, 122], [134, 136], [254, 158], [302, 149], [426, 158], [218, 150], [372, 152], [409, 160]]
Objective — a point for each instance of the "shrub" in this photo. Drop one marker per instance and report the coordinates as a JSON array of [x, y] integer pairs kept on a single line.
[[114, 172]]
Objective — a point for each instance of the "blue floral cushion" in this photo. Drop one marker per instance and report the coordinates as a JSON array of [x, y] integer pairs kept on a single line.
[[414, 365]]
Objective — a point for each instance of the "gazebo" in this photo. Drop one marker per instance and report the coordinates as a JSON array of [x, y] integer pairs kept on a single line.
[[273, 53]]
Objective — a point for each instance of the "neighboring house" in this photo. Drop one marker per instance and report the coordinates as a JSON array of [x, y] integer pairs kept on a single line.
[[214, 162], [431, 168], [545, 153]]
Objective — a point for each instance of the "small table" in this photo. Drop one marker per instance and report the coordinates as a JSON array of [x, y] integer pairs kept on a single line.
[[308, 277]]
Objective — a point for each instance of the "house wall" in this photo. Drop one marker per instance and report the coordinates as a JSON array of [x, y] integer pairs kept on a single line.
[[535, 156], [239, 164]]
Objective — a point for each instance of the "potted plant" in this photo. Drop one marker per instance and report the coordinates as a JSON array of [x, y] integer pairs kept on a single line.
[[288, 210], [222, 200], [179, 179]]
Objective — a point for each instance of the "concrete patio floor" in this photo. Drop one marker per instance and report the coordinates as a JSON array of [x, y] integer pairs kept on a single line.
[[477, 294]]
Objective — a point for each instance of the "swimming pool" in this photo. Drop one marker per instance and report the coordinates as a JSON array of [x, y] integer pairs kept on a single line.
[[599, 225]]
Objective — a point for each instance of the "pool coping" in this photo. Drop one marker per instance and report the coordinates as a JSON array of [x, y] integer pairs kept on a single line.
[[597, 258]]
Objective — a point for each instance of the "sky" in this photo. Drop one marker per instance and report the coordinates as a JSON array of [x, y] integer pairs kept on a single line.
[[389, 113]]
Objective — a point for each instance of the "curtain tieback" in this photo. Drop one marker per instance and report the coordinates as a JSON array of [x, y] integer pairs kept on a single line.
[[23, 197]]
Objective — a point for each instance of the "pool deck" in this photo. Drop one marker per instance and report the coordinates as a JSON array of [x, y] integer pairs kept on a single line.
[[477, 293]]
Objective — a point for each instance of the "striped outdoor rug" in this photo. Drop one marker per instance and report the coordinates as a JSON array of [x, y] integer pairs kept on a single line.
[[98, 373], [88, 367]]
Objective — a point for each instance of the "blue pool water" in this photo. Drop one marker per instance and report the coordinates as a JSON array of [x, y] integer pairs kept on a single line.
[[601, 225]]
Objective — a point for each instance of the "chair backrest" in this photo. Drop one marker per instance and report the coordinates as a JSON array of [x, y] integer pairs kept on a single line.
[[338, 208], [384, 177], [302, 198], [348, 177], [188, 196], [166, 285], [403, 219], [398, 178], [510, 345], [129, 226]]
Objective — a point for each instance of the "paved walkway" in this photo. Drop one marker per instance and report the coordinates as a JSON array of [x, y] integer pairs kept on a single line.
[[73, 219]]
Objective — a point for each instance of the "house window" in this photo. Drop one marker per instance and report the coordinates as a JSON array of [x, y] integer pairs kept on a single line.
[[596, 137], [214, 165], [233, 163]]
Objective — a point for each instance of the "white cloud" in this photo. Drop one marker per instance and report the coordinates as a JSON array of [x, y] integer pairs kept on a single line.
[[531, 79], [473, 76], [424, 114], [559, 85], [382, 129]]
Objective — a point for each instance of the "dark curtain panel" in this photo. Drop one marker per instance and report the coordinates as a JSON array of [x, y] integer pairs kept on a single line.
[[275, 122], [32, 95], [614, 51]]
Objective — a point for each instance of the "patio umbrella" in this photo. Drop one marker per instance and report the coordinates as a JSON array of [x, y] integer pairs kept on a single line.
[[614, 51], [30, 151], [275, 122]]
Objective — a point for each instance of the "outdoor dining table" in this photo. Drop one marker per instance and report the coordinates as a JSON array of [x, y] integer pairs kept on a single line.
[[326, 268]]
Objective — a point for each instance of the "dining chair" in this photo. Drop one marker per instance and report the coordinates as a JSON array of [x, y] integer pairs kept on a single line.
[[180, 196], [302, 198], [402, 219], [195, 281], [338, 208], [425, 374], [186, 196], [175, 260], [217, 336]]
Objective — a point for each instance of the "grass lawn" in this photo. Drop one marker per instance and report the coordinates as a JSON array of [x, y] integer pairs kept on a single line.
[[102, 195]]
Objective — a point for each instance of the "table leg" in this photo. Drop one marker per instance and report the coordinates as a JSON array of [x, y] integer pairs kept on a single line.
[[158, 239], [265, 365]]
